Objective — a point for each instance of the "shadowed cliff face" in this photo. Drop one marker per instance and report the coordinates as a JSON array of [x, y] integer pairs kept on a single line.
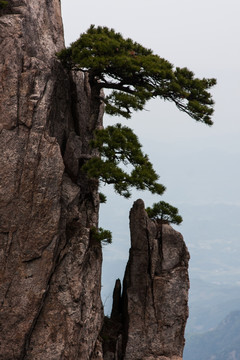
[[50, 268], [148, 322]]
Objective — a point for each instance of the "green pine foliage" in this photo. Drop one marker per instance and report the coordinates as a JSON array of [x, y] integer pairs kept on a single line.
[[132, 75], [102, 198], [164, 212], [3, 4], [135, 75], [122, 162], [101, 235]]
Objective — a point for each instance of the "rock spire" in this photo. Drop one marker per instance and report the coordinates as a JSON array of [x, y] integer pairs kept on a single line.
[[154, 303]]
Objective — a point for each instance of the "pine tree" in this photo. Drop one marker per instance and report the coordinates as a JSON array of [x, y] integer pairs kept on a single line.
[[164, 212], [135, 75]]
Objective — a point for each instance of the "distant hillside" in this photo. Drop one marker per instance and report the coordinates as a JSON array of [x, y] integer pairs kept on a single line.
[[223, 343], [211, 232], [209, 304]]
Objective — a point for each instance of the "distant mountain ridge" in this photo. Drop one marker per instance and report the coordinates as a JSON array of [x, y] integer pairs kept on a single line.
[[223, 343], [209, 304]]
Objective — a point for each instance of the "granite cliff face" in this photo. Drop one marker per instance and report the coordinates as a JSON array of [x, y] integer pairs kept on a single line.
[[150, 317], [50, 267]]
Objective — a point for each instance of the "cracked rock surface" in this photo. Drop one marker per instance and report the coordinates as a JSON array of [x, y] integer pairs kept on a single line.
[[148, 320], [155, 290], [50, 268]]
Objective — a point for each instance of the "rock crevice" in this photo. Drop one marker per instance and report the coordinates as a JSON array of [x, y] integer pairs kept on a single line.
[[154, 303]]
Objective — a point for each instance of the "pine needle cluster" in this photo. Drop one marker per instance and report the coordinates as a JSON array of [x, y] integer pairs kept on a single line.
[[135, 75], [120, 150], [101, 235], [164, 212]]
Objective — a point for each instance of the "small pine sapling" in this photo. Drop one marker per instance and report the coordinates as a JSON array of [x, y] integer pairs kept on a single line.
[[164, 212], [101, 235]]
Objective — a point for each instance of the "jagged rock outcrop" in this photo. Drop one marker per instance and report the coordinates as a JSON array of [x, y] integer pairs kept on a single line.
[[154, 304], [50, 305]]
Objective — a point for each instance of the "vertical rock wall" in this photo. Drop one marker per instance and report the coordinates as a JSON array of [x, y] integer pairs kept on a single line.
[[50, 269], [155, 290], [148, 320]]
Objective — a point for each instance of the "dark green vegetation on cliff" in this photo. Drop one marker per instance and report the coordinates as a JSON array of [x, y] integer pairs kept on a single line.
[[118, 145], [3, 4], [134, 75], [164, 212], [101, 235]]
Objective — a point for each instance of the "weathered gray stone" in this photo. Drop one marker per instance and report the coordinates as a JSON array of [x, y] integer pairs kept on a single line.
[[155, 290], [50, 306], [117, 301]]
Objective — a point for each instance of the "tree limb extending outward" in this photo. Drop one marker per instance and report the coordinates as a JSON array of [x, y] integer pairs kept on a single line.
[[120, 150], [136, 75]]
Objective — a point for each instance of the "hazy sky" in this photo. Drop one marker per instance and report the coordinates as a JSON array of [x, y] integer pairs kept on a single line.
[[197, 164]]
